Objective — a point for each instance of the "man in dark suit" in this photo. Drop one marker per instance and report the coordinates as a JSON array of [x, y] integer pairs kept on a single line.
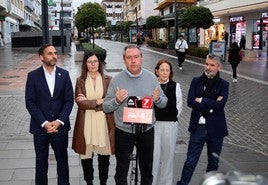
[[207, 97], [49, 100]]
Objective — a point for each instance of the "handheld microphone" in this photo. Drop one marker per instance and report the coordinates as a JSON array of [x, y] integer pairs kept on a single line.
[[147, 102], [134, 102]]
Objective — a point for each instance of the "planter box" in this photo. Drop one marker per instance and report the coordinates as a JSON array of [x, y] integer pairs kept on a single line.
[[78, 56]]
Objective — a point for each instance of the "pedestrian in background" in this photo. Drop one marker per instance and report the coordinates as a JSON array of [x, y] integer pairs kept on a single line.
[[207, 97], [134, 81], [181, 46], [234, 59], [166, 126], [1, 39], [49, 100], [139, 39], [93, 130], [242, 42], [226, 38]]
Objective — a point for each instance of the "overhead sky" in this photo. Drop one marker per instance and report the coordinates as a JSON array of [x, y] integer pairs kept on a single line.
[[77, 3]]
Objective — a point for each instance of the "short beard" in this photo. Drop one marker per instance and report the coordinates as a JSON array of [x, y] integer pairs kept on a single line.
[[211, 74]]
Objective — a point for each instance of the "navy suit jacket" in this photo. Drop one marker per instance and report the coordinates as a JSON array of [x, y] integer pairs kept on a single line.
[[44, 107], [215, 115]]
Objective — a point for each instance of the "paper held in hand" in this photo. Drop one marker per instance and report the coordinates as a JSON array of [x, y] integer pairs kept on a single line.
[[137, 115]]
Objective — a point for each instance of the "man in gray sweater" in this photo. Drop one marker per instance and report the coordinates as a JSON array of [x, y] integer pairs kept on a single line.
[[134, 81]]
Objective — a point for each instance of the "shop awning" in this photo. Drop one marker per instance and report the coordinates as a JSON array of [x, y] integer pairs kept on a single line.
[[166, 3]]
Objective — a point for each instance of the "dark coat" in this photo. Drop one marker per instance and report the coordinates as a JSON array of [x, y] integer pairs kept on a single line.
[[215, 120], [79, 144], [44, 107], [233, 55]]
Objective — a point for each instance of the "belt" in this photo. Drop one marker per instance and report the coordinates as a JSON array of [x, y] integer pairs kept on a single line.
[[201, 125]]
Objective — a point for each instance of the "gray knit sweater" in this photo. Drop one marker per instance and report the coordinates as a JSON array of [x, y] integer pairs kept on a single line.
[[141, 86]]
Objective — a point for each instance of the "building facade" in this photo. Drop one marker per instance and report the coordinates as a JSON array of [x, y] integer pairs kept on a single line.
[[114, 11], [239, 18], [32, 12], [170, 11], [55, 8], [11, 14], [138, 11]]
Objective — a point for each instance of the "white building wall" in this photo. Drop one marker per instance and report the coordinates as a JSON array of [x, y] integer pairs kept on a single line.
[[147, 9], [54, 18]]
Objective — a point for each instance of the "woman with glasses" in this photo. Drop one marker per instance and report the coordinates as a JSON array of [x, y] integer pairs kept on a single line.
[[94, 130]]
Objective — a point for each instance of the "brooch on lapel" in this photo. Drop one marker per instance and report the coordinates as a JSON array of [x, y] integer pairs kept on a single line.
[[59, 74]]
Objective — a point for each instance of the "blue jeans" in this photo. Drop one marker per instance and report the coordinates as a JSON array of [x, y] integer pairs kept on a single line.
[[196, 144]]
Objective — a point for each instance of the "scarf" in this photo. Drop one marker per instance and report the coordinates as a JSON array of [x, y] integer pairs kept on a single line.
[[209, 83], [95, 129]]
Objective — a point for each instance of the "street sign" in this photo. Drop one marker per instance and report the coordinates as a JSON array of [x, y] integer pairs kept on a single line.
[[2, 18]]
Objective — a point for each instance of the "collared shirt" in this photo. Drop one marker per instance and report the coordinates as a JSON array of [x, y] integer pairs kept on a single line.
[[133, 76], [50, 78]]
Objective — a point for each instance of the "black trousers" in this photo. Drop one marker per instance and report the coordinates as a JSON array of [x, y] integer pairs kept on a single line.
[[124, 143], [234, 67], [103, 164], [181, 57], [59, 144]]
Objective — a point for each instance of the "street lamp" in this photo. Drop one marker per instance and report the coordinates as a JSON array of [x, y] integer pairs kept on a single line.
[[176, 20], [45, 21], [121, 27], [61, 28], [137, 25]]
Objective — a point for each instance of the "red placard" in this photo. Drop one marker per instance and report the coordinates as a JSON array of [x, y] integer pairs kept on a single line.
[[137, 115]]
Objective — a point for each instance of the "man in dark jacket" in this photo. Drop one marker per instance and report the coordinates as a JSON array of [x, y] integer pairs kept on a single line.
[[207, 97], [49, 100]]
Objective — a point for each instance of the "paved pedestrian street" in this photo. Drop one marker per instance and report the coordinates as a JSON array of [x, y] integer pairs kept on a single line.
[[244, 150]]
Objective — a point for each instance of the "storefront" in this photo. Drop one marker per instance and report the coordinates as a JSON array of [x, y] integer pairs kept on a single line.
[[214, 33], [258, 35], [237, 28]]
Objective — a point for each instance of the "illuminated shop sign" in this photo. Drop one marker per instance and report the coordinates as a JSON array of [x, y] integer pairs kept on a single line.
[[237, 19], [216, 20], [264, 15]]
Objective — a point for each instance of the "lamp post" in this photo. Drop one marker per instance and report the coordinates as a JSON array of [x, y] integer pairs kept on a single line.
[[61, 28], [137, 25], [176, 20], [121, 28], [45, 21]]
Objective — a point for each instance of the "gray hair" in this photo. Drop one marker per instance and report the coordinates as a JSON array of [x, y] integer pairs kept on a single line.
[[214, 57], [131, 46]]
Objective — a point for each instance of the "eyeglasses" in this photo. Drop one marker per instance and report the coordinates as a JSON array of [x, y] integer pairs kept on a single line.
[[135, 57], [92, 61]]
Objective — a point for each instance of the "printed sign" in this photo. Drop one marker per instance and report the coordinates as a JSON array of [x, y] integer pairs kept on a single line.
[[218, 48], [137, 115]]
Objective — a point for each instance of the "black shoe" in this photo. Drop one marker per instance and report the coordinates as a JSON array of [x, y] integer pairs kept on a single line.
[[89, 183], [103, 183]]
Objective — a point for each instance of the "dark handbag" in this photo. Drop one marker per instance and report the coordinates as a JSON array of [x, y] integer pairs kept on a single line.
[[240, 55]]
